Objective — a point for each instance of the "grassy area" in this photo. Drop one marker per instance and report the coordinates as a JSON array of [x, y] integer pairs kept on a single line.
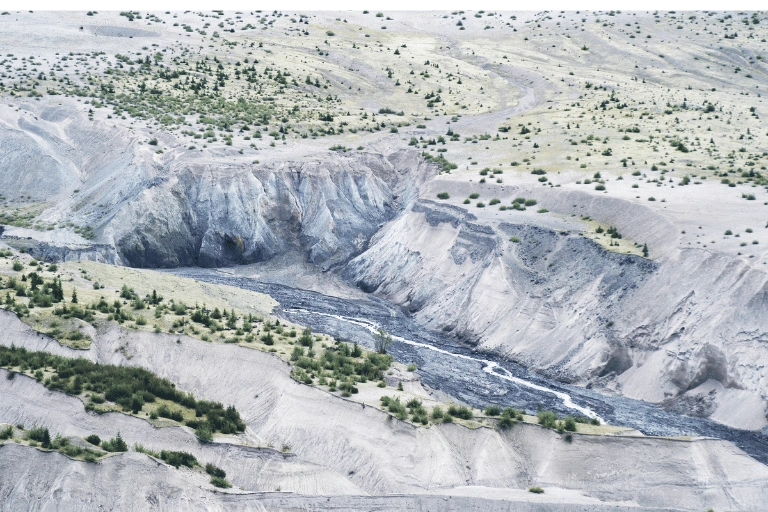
[[107, 295], [611, 239], [177, 305], [100, 295], [23, 215], [216, 80], [207, 99]]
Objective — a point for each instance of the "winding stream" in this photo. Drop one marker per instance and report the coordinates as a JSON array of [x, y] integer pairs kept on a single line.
[[489, 367], [477, 379]]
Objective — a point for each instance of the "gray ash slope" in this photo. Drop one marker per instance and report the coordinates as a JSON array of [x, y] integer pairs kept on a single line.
[[214, 215], [73, 485], [547, 270], [467, 380], [687, 324]]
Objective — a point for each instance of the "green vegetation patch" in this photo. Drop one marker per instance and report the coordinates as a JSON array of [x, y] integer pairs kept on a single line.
[[130, 388], [340, 367]]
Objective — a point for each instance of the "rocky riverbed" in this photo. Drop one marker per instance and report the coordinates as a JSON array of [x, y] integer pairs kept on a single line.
[[465, 377]]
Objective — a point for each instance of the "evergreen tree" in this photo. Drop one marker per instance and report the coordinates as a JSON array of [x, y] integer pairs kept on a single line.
[[232, 320], [74, 296], [306, 338], [46, 439], [126, 293], [57, 290]]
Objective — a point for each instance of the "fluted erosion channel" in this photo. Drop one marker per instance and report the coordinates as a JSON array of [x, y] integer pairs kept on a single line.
[[479, 379]]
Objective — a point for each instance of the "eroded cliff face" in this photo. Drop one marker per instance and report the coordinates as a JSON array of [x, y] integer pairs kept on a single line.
[[169, 210], [686, 330], [531, 293], [213, 215]]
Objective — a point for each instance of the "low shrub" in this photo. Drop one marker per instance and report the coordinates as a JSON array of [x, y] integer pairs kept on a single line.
[[177, 459], [220, 482], [460, 411], [39, 434], [509, 418], [547, 419], [204, 433], [6, 433], [215, 471]]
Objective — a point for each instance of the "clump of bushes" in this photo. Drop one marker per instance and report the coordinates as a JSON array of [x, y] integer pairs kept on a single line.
[[550, 419], [520, 203], [40, 435], [343, 364], [401, 411], [460, 411], [394, 406], [177, 459], [218, 476], [6, 433], [509, 418], [165, 412], [115, 444], [547, 419], [493, 410], [418, 412]]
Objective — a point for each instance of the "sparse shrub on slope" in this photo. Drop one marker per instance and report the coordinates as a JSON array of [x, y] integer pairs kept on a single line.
[[547, 419]]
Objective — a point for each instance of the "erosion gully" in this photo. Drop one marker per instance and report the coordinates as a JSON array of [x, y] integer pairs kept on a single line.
[[476, 378]]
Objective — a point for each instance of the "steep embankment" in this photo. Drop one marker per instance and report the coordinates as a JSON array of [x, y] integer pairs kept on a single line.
[[214, 214], [685, 328], [149, 209], [508, 287]]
